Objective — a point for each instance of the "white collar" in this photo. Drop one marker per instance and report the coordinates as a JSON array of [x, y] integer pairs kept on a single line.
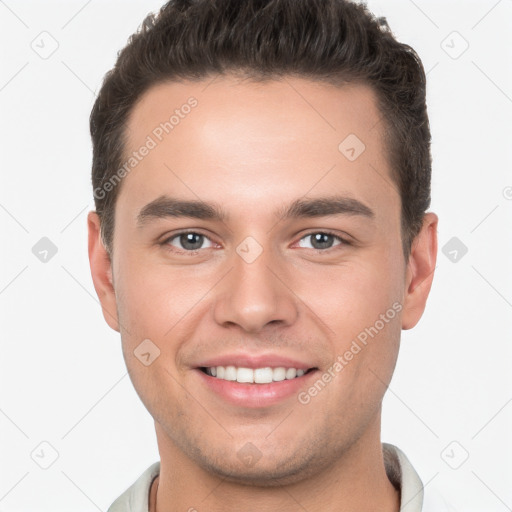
[[398, 469]]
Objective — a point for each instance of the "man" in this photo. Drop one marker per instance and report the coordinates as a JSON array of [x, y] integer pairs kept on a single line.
[[261, 172]]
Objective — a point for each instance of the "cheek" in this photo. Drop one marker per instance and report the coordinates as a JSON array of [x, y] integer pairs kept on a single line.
[[361, 304], [152, 301], [351, 296], [365, 352], [372, 325], [154, 298]]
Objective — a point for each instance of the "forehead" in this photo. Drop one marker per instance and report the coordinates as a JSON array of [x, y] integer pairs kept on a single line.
[[269, 106], [279, 138]]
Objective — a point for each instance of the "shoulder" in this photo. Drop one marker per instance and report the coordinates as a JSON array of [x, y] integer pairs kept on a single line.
[[135, 498], [415, 497], [434, 501], [404, 477]]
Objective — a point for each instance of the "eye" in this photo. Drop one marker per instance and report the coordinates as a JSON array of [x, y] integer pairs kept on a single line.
[[188, 241], [321, 240], [192, 241]]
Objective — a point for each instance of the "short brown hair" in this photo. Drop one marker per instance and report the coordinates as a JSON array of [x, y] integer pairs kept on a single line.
[[334, 41]]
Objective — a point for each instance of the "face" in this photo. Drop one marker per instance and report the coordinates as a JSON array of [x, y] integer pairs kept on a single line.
[[261, 230]]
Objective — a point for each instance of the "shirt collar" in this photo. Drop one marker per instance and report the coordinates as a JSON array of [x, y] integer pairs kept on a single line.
[[404, 477], [398, 469]]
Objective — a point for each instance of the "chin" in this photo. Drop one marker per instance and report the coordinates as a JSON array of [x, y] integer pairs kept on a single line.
[[274, 472]]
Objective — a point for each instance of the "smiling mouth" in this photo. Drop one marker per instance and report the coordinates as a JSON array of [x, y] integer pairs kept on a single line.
[[264, 375]]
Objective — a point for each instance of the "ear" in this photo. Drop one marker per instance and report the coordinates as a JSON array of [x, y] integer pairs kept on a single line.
[[420, 271], [101, 271]]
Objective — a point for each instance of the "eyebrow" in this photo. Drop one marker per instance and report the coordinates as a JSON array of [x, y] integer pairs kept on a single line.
[[166, 206]]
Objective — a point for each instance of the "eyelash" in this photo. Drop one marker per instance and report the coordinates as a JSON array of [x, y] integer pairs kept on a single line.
[[165, 243]]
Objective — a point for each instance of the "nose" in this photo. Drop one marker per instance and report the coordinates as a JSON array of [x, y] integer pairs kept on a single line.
[[255, 294]]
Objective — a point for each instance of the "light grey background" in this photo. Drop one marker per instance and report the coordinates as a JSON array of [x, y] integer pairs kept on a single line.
[[63, 379]]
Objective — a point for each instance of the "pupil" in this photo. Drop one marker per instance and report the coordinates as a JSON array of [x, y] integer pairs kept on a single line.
[[187, 241], [319, 238]]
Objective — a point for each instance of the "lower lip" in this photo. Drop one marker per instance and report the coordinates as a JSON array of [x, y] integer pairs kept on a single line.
[[256, 395]]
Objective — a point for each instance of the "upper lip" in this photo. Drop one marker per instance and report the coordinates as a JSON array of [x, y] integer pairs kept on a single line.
[[256, 361]]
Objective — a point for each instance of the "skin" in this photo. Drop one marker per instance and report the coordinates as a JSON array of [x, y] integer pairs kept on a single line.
[[254, 148]]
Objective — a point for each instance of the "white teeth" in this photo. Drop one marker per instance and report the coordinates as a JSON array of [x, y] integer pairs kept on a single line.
[[230, 373], [244, 375], [291, 373], [259, 375], [263, 375], [279, 374]]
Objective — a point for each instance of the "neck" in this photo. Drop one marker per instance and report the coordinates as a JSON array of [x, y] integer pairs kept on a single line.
[[355, 481]]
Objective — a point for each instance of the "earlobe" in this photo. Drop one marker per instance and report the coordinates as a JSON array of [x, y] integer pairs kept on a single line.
[[101, 271], [420, 271]]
